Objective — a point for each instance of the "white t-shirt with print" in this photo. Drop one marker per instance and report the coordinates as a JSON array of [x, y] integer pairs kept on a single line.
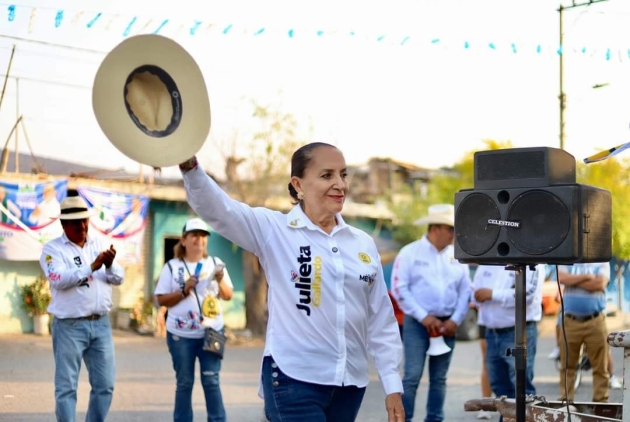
[[184, 319]]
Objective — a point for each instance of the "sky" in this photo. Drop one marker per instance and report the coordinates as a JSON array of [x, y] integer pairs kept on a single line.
[[420, 81]]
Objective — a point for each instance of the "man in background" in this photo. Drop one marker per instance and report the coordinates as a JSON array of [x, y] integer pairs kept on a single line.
[[81, 272], [433, 290]]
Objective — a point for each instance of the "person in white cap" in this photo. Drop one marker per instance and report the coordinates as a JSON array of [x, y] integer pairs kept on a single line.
[[81, 272], [191, 285], [328, 302], [433, 290]]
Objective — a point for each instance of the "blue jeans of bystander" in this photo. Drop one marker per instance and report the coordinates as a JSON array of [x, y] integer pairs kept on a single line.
[[184, 353], [416, 342], [75, 339]]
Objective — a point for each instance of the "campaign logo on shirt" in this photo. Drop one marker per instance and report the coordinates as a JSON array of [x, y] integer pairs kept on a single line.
[[308, 280], [368, 278], [365, 258], [77, 261]]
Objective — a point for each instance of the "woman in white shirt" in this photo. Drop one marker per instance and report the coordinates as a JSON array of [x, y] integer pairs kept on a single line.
[[328, 303], [191, 285]]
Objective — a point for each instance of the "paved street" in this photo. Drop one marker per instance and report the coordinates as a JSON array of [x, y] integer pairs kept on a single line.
[[145, 381]]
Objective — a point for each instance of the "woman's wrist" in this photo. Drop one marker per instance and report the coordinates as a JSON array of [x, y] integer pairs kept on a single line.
[[188, 165]]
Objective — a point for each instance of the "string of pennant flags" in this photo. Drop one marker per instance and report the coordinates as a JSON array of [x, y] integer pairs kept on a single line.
[[131, 25]]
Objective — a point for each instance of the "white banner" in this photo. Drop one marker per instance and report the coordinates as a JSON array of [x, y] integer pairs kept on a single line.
[[119, 219]]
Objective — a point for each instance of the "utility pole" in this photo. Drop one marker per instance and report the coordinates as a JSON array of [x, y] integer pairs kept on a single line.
[[563, 97]]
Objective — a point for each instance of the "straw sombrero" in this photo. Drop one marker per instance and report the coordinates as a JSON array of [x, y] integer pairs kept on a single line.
[[439, 214], [151, 101]]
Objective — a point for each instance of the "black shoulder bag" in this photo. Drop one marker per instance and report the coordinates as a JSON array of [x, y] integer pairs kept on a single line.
[[213, 341]]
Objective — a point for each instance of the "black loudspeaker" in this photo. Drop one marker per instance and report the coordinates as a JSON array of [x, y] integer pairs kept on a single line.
[[552, 222]]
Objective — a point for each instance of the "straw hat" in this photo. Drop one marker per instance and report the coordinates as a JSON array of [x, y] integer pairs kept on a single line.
[[151, 101], [74, 208], [439, 214]]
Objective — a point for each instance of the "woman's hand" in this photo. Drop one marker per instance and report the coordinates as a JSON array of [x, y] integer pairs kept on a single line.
[[394, 406], [191, 283]]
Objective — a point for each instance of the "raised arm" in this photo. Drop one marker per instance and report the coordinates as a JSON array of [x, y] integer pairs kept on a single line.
[[246, 226]]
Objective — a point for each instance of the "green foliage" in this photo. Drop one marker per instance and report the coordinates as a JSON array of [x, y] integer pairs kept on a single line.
[[407, 207], [612, 175], [410, 205], [36, 296]]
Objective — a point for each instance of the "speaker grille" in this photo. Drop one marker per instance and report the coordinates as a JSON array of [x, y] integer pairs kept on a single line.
[[545, 222], [510, 165], [474, 235]]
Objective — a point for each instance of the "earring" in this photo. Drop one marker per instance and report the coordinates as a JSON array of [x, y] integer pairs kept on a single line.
[[300, 196]]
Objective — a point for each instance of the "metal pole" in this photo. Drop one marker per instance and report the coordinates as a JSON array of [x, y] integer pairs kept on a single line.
[[562, 97], [6, 78], [520, 341], [17, 129]]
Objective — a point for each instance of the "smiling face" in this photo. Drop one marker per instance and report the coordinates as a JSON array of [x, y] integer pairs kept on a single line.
[[324, 185], [195, 243]]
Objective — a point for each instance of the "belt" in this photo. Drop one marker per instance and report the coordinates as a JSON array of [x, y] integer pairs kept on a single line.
[[444, 318], [508, 329], [583, 318], [93, 317]]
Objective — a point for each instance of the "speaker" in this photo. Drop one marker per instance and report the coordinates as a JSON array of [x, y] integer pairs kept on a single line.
[[554, 225], [550, 222], [523, 167]]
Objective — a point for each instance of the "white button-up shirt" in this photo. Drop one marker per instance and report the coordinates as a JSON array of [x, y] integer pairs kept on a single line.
[[426, 281], [499, 312], [76, 290], [328, 302]]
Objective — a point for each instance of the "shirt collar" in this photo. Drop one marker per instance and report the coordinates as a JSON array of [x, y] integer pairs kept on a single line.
[[296, 218]]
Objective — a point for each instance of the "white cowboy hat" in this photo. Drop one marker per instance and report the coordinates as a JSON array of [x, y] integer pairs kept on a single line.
[[439, 214], [151, 101], [74, 208]]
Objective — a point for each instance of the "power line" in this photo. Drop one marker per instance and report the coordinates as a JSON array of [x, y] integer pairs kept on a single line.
[[68, 84], [50, 44]]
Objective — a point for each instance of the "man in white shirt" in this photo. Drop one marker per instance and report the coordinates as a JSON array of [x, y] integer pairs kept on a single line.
[[433, 290], [495, 298], [81, 273]]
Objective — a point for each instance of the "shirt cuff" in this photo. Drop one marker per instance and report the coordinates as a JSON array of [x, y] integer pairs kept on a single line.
[[85, 272], [392, 384], [420, 315], [188, 165]]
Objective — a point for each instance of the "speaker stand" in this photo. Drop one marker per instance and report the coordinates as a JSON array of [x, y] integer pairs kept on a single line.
[[520, 341]]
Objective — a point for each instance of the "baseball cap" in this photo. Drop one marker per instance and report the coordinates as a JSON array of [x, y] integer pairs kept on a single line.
[[196, 224]]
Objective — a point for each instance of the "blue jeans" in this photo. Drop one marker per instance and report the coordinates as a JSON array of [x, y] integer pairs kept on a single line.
[[416, 342], [73, 340], [184, 353], [502, 368], [290, 400]]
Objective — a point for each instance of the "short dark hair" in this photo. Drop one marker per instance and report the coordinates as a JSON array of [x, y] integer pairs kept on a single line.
[[300, 161]]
